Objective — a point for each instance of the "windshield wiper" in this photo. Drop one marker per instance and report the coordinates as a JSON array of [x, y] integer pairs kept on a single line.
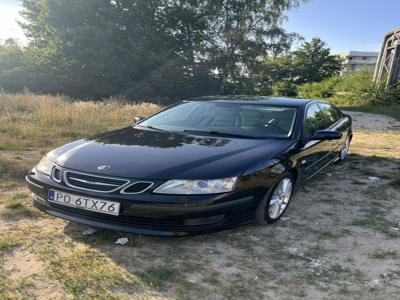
[[213, 132], [151, 127]]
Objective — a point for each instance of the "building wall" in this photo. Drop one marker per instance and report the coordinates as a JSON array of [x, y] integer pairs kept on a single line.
[[356, 61]]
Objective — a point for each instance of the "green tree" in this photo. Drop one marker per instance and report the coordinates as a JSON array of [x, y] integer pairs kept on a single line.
[[11, 54], [241, 33], [151, 48], [14, 73], [313, 62], [99, 47], [284, 88], [273, 70]]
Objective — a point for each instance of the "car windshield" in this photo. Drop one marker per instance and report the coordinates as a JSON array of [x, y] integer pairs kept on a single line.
[[226, 119]]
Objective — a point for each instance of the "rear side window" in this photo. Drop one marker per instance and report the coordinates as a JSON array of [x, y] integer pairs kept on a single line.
[[330, 113], [315, 120]]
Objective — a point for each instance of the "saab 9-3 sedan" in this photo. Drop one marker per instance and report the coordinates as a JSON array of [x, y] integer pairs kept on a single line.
[[195, 167]]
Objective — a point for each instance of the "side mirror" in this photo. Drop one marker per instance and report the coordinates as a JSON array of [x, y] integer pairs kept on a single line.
[[322, 135], [137, 119]]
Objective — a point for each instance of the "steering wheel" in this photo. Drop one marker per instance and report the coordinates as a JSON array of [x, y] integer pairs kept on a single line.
[[273, 124]]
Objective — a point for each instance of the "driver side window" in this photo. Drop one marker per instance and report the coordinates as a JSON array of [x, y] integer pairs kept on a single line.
[[314, 120]]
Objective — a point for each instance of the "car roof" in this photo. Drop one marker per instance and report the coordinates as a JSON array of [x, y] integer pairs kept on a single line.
[[255, 100]]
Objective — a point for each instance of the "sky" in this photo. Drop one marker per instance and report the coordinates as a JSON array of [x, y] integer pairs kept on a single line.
[[343, 24], [8, 20]]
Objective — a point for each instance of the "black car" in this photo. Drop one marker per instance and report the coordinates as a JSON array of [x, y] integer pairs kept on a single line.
[[195, 167]]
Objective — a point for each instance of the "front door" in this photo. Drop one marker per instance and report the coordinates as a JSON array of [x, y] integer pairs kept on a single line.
[[314, 154]]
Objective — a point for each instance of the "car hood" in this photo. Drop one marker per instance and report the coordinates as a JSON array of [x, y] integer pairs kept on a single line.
[[148, 154]]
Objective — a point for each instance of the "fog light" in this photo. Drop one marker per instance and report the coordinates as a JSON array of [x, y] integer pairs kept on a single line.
[[38, 198], [205, 221]]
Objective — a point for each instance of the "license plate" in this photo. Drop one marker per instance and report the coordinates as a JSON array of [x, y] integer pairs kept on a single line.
[[97, 205]]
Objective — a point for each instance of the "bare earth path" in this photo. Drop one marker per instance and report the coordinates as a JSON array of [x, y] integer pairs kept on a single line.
[[373, 122], [340, 239]]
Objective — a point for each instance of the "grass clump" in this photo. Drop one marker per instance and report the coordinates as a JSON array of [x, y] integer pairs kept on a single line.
[[14, 204], [383, 254], [88, 274], [158, 276], [327, 234], [4, 285], [7, 243], [14, 169], [15, 208], [378, 223]]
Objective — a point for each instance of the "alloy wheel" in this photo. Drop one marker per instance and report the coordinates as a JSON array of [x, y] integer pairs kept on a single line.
[[345, 150], [280, 198]]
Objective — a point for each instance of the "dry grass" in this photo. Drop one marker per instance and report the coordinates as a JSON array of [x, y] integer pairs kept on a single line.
[[377, 144], [40, 122], [72, 273], [14, 168]]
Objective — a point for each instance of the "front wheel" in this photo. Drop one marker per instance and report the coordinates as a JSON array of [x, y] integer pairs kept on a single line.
[[345, 150], [275, 203]]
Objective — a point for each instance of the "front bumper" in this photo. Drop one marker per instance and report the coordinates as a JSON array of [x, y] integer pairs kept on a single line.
[[153, 214]]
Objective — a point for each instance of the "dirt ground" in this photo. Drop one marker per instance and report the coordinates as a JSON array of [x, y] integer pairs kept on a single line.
[[340, 239]]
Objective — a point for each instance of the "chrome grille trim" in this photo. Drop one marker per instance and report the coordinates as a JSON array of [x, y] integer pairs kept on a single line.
[[116, 187], [136, 182], [92, 182], [53, 174]]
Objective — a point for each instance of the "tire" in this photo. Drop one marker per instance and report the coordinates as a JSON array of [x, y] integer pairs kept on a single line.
[[345, 151], [273, 206]]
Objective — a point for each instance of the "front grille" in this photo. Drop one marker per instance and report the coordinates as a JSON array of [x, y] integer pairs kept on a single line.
[[56, 174], [137, 187], [95, 183]]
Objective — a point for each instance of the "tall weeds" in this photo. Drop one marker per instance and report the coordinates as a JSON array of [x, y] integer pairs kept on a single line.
[[29, 121]]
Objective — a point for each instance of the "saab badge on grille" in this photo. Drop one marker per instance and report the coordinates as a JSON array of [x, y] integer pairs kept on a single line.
[[103, 168]]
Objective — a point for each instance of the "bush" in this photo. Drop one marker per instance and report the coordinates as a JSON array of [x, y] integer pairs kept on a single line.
[[284, 88], [323, 89], [356, 85], [352, 88], [381, 96], [264, 90], [359, 87]]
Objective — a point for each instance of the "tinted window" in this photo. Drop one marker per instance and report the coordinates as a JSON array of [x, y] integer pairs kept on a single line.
[[250, 120], [330, 113], [314, 120]]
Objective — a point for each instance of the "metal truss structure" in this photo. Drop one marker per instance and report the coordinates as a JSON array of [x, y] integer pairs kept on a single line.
[[388, 64]]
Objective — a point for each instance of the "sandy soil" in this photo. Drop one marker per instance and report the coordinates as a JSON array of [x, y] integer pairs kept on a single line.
[[340, 239], [373, 122]]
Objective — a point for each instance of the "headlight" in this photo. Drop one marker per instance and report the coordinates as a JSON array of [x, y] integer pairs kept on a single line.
[[193, 187], [45, 165]]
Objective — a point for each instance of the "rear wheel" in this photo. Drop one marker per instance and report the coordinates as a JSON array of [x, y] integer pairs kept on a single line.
[[275, 203]]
